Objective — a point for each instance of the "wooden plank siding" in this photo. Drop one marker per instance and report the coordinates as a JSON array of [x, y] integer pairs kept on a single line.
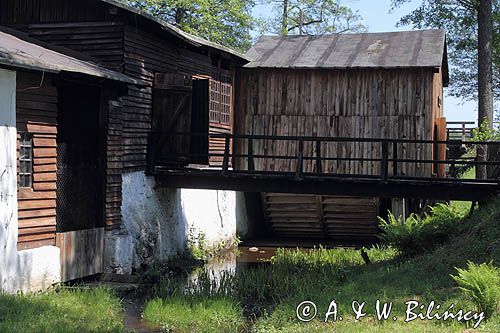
[[146, 54], [23, 12], [102, 41], [81, 253], [36, 100], [336, 103], [114, 163]]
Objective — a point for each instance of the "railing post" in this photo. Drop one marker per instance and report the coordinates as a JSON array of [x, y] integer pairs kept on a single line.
[[251, 163], [435, 153], [319, 167], [385, 160], [300, 161], [225, 163], [395, 158]]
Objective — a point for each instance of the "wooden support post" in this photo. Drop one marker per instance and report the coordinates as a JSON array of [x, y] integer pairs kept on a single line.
[[251, 163], [385, 160], [225, 163], [395, 158], [319, 167], [300, 161]]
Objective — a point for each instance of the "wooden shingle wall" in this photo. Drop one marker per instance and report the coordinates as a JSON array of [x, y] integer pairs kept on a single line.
[[36, 100]]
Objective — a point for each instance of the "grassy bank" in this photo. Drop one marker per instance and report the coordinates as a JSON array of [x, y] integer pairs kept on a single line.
[[65, 310], [267, 296]]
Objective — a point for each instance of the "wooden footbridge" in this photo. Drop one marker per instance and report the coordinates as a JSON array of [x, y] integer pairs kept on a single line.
[[318, 168]]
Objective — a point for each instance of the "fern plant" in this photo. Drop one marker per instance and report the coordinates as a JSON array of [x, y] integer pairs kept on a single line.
[[482, 284], [418, 234]]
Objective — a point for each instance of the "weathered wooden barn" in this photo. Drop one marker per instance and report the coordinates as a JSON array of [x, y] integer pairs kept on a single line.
[[370, 85], [62, 111], [186, 85], [163, 86]]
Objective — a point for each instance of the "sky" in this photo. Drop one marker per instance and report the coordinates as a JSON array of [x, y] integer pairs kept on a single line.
[[376, 17]]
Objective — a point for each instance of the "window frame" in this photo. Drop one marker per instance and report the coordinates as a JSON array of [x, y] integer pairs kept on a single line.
[[26, 160]]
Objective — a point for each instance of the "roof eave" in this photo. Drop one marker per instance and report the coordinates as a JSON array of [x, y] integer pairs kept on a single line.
[[186, 37]]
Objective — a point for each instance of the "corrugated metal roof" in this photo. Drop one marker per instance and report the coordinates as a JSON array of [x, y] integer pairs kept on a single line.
[[419, 48], [187, 37], [16, 52]]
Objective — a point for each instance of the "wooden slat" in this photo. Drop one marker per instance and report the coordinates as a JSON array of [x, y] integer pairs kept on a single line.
[[292, 215]]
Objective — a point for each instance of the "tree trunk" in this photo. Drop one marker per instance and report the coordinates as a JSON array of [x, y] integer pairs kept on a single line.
[[485, 76], [284, 18]]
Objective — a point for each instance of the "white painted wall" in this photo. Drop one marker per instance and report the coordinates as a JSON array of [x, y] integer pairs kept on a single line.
[[29, 270], [158, 222]]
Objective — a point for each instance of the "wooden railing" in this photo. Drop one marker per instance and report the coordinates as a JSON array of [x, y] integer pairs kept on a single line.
[[460, 130], [386, 158]]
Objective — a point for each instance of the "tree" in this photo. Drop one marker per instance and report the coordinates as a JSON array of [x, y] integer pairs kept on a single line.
[[472, 41], [310, 17], [485, 80], [459, 18], [226, 22], [485, 60]]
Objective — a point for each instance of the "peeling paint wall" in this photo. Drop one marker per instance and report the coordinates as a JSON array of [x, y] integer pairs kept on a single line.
[[157, 222], [28, 270]]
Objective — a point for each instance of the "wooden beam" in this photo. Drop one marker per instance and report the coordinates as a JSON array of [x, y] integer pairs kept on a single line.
[[363, 187]]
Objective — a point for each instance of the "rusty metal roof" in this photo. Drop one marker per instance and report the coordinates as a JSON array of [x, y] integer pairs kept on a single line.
[[419, 48], [187, 37], [17, 52]]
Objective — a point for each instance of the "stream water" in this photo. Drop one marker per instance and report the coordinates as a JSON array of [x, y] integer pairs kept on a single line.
[[228, 263]]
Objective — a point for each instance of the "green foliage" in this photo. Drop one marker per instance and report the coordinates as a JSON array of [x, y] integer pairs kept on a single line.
[[459, 19], [485, 133], [310, 17], [288, 281], [482, 284], [292, 273], [227, 22], [419, 234], [61, 311]]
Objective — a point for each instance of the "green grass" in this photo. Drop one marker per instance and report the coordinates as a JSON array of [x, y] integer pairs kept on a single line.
[[218, 314], [268, 295], [65, 310]]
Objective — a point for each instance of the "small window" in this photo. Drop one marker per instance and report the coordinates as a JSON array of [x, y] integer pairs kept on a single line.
[[26, 160], [220, 98]]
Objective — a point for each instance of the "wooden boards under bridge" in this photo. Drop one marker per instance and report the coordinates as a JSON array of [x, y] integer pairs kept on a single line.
[[321, 216]]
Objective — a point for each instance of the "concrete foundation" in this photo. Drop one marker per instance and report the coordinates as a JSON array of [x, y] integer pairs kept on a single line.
[[28, 270], [157, 223]]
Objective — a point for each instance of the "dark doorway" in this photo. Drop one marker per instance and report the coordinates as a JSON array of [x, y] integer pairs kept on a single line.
[[79, 172], [199, 122]]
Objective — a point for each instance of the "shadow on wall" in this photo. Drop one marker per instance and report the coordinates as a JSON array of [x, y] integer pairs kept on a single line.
[[250, 222], [160, 221]]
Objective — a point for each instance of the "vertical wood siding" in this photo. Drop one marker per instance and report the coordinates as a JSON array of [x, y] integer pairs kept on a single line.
[[337, 103], [37, 115]]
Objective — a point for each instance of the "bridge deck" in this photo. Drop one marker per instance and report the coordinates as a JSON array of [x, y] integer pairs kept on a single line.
[[387, 182], [433, 189]]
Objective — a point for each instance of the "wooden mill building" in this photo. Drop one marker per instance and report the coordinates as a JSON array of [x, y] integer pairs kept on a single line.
[[183, 84], [370, 85]]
